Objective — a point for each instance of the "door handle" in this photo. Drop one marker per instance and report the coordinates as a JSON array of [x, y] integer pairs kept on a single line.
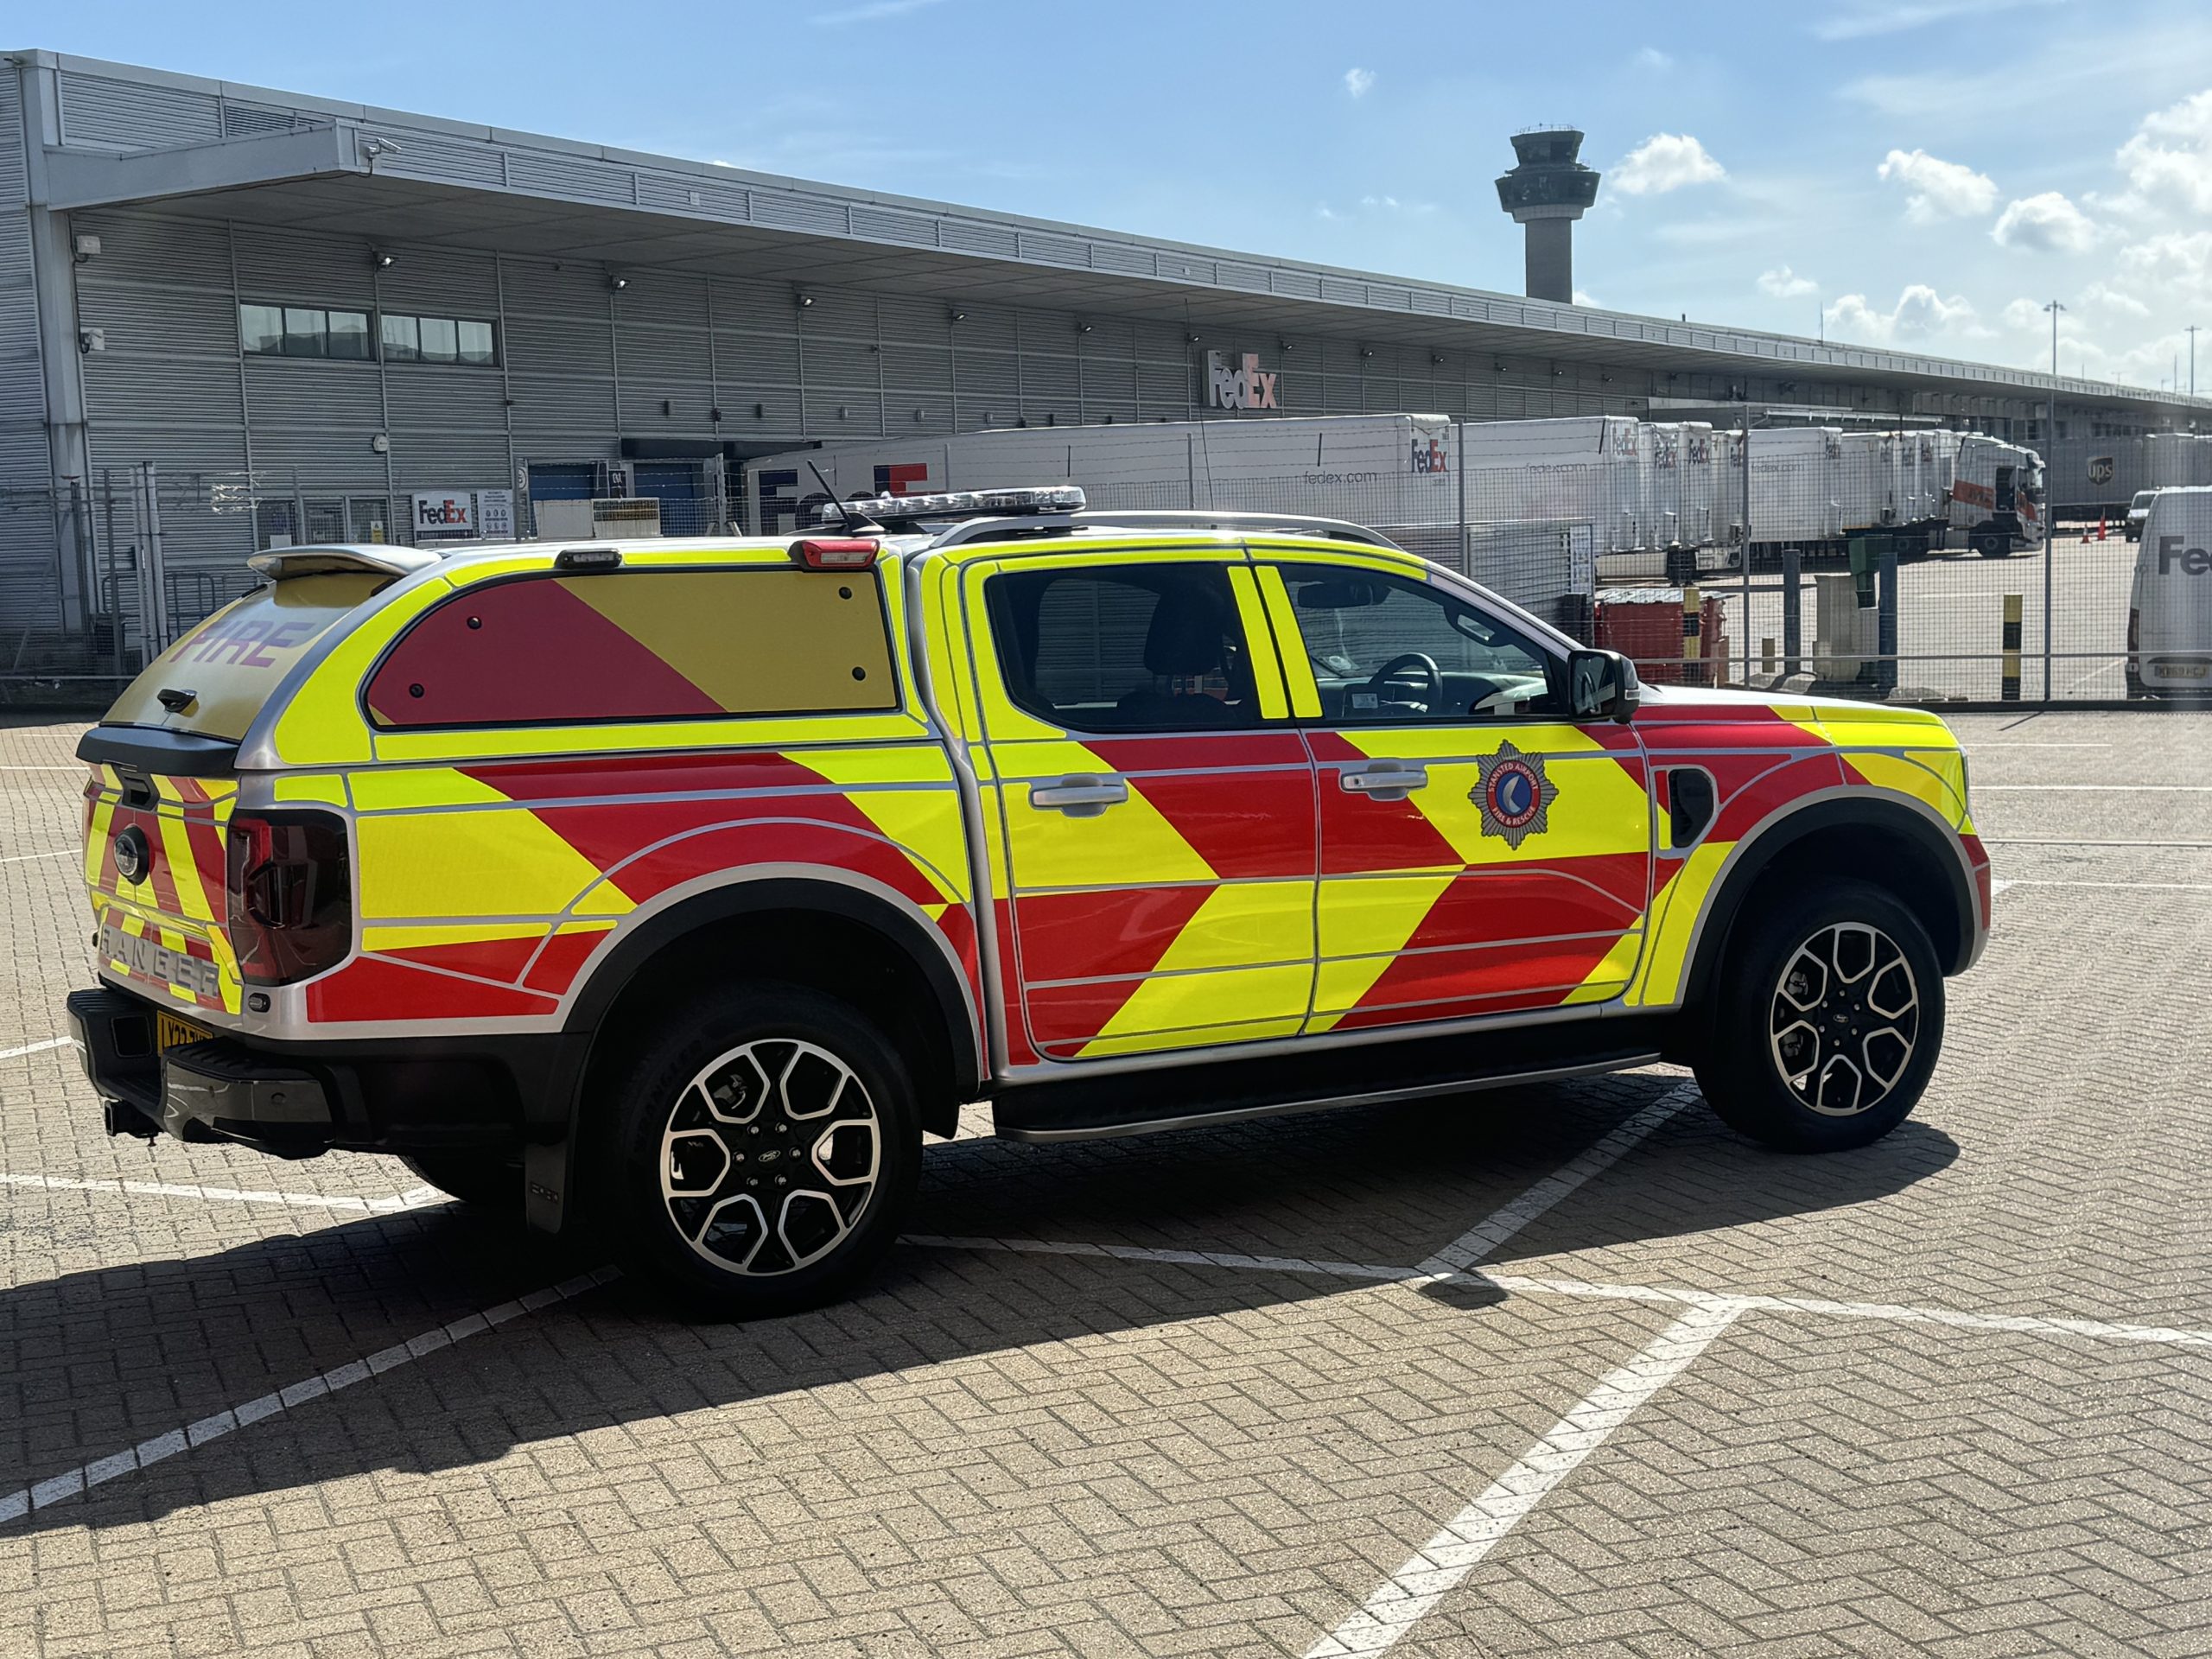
[[1384, 781], [1079, 796]]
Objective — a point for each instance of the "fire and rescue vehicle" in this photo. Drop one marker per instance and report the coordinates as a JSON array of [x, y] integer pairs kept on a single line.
[[682, 888]]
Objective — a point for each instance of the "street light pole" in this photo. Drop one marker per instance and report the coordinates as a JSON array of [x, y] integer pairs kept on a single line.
[[2191, 332], [2050, 523]]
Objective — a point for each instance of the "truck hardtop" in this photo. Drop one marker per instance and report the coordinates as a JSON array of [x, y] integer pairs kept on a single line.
[[682, 888]]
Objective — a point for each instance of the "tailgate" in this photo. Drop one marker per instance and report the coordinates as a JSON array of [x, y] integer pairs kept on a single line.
[[154, 874]]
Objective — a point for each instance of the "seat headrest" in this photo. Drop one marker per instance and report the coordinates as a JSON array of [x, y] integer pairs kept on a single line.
[[1184, 635]]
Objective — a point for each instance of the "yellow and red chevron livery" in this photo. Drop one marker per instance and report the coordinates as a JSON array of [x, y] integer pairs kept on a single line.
[[444, 856]]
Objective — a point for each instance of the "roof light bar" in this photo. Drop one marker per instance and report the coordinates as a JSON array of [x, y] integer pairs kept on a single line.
[[835, 553], [958, 504]]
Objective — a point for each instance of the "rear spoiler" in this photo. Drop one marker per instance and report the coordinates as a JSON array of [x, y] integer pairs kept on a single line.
[[371, 558], [151, 749]]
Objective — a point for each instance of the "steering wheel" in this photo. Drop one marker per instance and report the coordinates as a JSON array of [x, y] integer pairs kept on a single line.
[[1396, 669]]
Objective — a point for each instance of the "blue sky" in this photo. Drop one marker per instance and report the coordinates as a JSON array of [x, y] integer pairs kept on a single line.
[[1921, 173]]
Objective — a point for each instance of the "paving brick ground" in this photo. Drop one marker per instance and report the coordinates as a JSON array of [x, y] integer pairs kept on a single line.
[[996, 1453]]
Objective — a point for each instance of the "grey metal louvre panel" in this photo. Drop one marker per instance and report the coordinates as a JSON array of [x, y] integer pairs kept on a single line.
[[14, 187], [1048, 331], [922, 420], [1185, 267], [449, 461], [22, 387], [664, 352], [1108, 387], [1044, 248], [924, 321], [185, 449], [461, 397], [538, 344], [25, 458], [990, 378], [687, 194], [658, 299], [836, 312], [251, 120], [303, 269], [1109, 339], [107, 114], [881, 224], [688, 399], [1048, 385], [556, 446], [185, 392], [840, 363], [570, 288], [1300, 391], [918, 369], [1253, 279], [441, 282], [324, 462], [763, 307], [148, 248], [281, 392], [1299, 284], [991, 328], [969, 236], [766, 359], [451, 161], [1120, 257], [1162, 342], [1162, 390], [568, 401], [1343, 394], [561, 175], [839, 413], [1342, 291], [182, 320], [1428, 303], [1388, 296], [1342, 357], [791, 211]]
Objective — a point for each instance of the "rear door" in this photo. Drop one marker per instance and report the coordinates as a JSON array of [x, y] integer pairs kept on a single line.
[[1481, 854], [1155, 802], [155, 830]]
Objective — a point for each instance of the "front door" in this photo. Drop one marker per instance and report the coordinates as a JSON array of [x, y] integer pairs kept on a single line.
[[1155, 802], [1480, 853]]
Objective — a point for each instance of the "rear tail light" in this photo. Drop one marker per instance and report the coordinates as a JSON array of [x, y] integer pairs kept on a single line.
[[291, 895], [826, 553]]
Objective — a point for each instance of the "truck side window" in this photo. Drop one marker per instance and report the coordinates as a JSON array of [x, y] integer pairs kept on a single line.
[[1387, 650], [1134, 648]]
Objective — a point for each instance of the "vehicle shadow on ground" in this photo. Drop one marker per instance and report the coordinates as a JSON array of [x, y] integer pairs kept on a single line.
[[95, 1362]]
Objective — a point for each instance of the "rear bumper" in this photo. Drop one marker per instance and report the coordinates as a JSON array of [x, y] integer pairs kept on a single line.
[[295, 1100]]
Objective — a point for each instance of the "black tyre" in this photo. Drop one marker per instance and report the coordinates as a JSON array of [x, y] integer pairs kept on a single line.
[[491, 1181], [768, 1146], [1828, 1018]]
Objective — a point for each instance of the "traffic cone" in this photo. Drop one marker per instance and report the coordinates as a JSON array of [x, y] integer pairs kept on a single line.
[[2101, 526]]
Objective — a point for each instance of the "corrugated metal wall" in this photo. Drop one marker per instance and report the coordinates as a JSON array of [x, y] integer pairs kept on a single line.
[[30, 582]]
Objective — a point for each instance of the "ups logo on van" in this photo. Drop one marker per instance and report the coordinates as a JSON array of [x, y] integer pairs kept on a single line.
[[2191, 562]]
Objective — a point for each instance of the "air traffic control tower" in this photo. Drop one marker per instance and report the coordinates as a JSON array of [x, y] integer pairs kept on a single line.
[[1547, 192]]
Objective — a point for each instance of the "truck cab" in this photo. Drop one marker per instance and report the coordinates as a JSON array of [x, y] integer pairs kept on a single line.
[[686, 886]]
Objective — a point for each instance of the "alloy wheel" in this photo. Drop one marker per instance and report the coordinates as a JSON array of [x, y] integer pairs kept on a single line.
[[1844, 1018], [769, 1157]]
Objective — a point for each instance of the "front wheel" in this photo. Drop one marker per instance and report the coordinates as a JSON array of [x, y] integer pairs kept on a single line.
[[770, 1143], [1828, 1020]]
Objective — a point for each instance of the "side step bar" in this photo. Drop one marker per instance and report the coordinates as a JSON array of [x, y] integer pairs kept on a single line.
[[1079, 1107]]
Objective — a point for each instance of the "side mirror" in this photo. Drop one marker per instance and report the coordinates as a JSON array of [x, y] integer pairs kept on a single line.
[[1602, 685]]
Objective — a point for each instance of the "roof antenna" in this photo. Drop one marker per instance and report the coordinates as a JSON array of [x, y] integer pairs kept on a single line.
[[847, 519]]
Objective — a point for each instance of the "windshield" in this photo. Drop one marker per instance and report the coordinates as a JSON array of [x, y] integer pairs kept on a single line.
[[2142, 499]]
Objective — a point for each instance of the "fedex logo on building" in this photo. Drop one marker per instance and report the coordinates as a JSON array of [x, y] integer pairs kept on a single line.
[[1247, 387]]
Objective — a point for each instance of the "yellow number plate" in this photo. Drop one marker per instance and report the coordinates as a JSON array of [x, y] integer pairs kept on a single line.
[[169, 1031]]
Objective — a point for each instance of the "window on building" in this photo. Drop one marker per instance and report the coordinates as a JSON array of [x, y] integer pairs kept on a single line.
[[304, 330], [438, 340]]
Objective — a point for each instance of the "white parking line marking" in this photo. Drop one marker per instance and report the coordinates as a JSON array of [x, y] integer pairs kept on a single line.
[[1492, 1232], [25, 858], [2055, 840], [70, 1482], [33, 1048], [2130, 886], [79, 771], [2102, 789], [413, 1199], [1998, 885], [1979, 749], [1524, 1285], [1402, 1600]]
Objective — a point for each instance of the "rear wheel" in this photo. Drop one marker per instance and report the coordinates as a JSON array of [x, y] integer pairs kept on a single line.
[[1828, 1021], [491, 1181], [770, 1143]]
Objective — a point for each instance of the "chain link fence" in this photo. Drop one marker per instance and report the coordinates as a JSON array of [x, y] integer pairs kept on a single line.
[[1908, 566]]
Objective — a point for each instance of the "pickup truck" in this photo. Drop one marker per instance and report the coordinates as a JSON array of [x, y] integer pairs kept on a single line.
[[683, 886]]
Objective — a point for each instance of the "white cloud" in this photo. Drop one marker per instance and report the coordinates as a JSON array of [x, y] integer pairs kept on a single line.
[[1358, 82], [1784, 283], [1665, 161], [1919, 314], [2171, 155], [2106, 297], [1941, 189], [2044, 223], [1583, 296], [1652, 58], [2175, 263], [1851, 20]]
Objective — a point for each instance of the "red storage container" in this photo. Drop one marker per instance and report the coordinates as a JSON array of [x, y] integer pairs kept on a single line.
[[1645, 626]]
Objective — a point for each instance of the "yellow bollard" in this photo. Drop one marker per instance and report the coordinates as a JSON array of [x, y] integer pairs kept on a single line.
[[2011, 687], [1692, 624]]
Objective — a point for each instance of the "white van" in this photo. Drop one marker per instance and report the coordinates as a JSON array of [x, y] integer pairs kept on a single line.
[[2170, 610]]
